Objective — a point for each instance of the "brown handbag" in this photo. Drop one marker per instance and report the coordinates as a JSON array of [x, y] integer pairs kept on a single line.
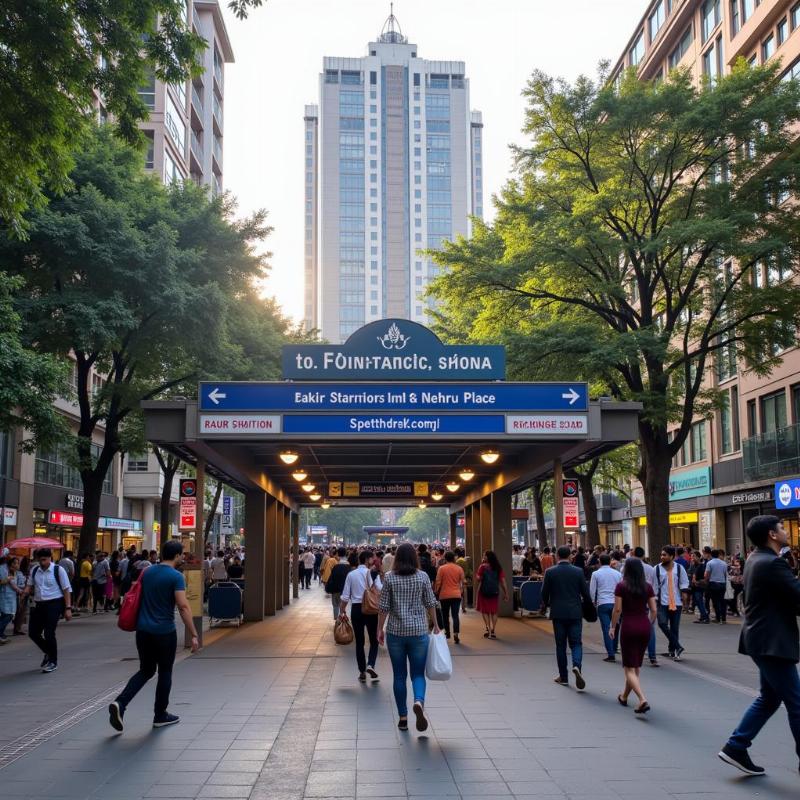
[[371, 598], [343, 631]]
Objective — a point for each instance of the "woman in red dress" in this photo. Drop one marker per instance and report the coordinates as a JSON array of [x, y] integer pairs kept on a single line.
[[635, 601], [490, 581]]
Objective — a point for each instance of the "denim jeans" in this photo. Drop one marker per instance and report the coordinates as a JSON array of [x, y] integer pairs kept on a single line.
[[670, 624], [405, 652], [780, 683], [568, 630], [156, 651], [651, 645], [604, 612], [700, 603]]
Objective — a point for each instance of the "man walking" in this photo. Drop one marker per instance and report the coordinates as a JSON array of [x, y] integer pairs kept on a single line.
[[101, 573], [716, 574], [770, 637], [308, 563], [670, 581], [355, 586], [53, 597], [601, 587], [564, 591], [335, 583], [163, 588]]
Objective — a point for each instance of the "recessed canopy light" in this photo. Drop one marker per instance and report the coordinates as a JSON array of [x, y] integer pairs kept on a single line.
[[421, 504], [325, 505], [288, 456], [436, 496], [452, 486], [299, 474], [466, 474], [490, 456], [308, 487], [316, 496]]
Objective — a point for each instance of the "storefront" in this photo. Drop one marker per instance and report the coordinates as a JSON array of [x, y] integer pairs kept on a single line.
[[787, 507], [9, 524], [683, 528], [111, 531]]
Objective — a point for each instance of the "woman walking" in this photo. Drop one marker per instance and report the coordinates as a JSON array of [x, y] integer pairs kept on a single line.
[[490, 581], [20, 570], [408, 602], [635, 601], [449, 588]]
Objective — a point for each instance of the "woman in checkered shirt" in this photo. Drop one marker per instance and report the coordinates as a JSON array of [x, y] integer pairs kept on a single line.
[[408, 603]]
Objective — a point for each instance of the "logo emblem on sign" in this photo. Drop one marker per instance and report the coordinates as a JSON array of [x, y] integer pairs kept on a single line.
[[393, 339], [785, 494], [570, 489]]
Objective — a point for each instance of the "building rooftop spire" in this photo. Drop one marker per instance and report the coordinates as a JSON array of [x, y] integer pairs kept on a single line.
[[391, 32]]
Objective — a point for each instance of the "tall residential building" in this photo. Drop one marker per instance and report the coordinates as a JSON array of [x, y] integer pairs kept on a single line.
[[726, 471], [392, 168]]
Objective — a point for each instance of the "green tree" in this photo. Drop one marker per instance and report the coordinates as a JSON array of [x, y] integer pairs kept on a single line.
[[426, 524], [132, 280], [345, 522], [643, 237], [54, 58]]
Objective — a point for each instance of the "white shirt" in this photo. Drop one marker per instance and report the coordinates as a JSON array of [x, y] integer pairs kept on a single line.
[[356, 584], [44, 583], [516, 562], [308, 560], [388, 562], [218, 571], [649, 572], [602, 585], [680, 581], [68, 566]]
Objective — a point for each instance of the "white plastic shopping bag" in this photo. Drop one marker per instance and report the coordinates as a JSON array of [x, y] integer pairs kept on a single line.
[[439, 665]]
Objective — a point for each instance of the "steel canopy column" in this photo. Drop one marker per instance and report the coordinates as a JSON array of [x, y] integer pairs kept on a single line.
[[285, 554], [199, 544], [255, 520], [453, 519], [502, 543], [558, 494], [270, 558], [485, 511], [295, 555]]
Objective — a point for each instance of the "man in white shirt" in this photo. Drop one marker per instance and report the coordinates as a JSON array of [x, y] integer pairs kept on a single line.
[[217, 565], [307, 560], [516, 560], [670, 581], [601, 587], [51, 591], [355, 585]]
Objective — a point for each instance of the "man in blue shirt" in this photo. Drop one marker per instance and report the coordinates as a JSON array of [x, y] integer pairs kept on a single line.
[[163, 588]]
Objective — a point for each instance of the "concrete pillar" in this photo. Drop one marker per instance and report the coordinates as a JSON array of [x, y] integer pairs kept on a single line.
[[255, 511], [295, 523], [485, 511], [558, 493], [453, 518], [477, 555], [148, 518], [271, 558], [500, 503], [199, 548], [285, 547], [278, 556]]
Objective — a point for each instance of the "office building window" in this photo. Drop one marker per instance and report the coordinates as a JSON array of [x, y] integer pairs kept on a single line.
[[782, 31], [57, 467], [726, 363], [713, 60], [735, 23], [748, 7], [656, 19], [137, 462], [174, 123], [768, 48], [698, 437], [351, 78], [171, 171], [373, 78], [683, 46], [150, 150], [636, 53], [752, 421], [773, 411], [795, 391], [147, 90], [794, 15], [710, 16], [331, 76], [793, 73]]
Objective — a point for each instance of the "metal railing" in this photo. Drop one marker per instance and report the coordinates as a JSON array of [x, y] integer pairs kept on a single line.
[[217, 109], [197, 146], [772, 454], [217, 149], [196, 99]]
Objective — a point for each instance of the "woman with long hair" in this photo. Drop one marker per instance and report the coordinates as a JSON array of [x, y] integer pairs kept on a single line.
[[490, 581], [408, 603], [635, 601]]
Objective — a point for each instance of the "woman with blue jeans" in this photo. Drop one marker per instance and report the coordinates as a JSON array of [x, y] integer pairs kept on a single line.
[[408, 603]]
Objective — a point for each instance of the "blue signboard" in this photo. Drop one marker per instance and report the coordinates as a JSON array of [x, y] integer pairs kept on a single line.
[[393, 349], [394, 397], [227, 505], [787, 494], [403, 424], [690, 483]]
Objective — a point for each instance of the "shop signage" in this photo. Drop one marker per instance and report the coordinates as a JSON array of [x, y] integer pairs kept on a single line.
[[187, 508], [400, 424], [569, 503], [762, 496], [68, 518], [295, 397], [705, 521], [548, 424], [115, 523], [378, 489], [459, 522], [74, 501], [9, 516], [690, 483], [787, 494], [397, 349], [240, 424], [681, 518], [227, 511]]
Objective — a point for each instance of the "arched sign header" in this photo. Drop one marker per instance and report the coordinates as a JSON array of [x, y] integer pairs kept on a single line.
[[394, 349]]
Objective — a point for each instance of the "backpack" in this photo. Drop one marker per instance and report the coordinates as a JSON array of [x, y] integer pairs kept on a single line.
[[335, 583], [490, 583], [56, 568], [129, 609]]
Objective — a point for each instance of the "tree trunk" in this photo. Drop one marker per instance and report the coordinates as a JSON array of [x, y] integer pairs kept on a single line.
[[589, 510], [538, 510], [92, 490], [211, 512], [169, 467], [654, 476]]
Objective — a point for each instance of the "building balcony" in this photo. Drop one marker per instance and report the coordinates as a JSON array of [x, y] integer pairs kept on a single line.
[[195, 20], [196, 150], [216, 149], [217, 110], [772, 455]]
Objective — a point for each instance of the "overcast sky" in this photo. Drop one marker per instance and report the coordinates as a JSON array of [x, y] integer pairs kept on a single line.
[[279, 51]]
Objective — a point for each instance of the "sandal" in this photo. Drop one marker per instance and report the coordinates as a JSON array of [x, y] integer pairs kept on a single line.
[[642, 709], [621, 701], [492, 636], [486, 635]]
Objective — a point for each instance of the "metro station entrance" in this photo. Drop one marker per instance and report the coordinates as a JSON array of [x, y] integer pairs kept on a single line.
[[392, 417]]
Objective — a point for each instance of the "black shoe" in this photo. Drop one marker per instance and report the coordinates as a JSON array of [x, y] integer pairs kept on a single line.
[[115, 714], [165, 719], [362, 676], [740, 759], [456, 639], [580, 683], [402, 724], [422, 720], [654, 662], [610, 660], [561, 681], [668, 655], [371, 672], [50, 667], [678, 653], [45, 662]]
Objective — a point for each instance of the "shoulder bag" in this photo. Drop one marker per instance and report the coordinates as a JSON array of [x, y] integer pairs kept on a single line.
[[371, 598]]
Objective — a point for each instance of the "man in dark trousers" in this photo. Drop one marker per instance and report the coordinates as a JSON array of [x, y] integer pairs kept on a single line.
[[564, 591], [770, 637]]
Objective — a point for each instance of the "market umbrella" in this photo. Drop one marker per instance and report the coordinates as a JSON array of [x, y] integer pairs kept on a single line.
[[33, 543]]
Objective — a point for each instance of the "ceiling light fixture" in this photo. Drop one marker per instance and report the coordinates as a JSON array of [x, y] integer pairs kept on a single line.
[[452, 486], [325, 505], [299, 474], [308, 487], [436, 496], [421, 504], [288, 456], [466, 475], [316, 496], [489, 456]]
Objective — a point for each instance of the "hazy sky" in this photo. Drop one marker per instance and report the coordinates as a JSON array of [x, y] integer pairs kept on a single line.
[[279, 51]]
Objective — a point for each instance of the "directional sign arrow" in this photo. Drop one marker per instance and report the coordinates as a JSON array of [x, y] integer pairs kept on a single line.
[[215, 396], [571, 395]]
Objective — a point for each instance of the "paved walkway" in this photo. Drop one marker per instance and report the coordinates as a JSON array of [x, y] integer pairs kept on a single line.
[[274, 712]]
